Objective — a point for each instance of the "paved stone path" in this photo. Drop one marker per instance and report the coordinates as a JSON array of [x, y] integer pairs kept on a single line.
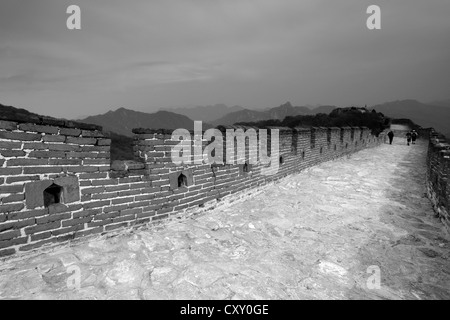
[[314, 235]]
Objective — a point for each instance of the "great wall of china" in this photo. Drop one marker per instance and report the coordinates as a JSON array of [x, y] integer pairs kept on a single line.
[[438, 173], [57, 183]]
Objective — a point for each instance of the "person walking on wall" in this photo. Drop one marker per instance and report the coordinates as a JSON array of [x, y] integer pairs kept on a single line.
[[414, 136], [408, 137], [391, 136]]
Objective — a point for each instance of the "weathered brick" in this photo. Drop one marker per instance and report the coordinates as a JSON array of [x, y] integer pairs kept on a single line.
[[37, 128], [26, 162], [78, 221], [47, 154], [104, 155], [102, 175], [8, 125], [12, 153], [24, 223], [21, 178], [122, 200], [130, 211], [58, 208], [115, 208], [41, 236], [54, 138], [43, 227], [96, 161], [82, 155], [62, 147], [104, 196], [13, 242], [91, 148], [124, 218], [105, 216], [85, 213], [20, 136], [82, 169], [11, 207], [145, 214], [13, 198], [164, 210], [129, 193], [129, 180], [70, 132], [104, 182], [104, 142], [152, 190], [35, 146], [10, 145], [7, 252], [67, 230], [9, 234], [138, 204], [59, 162], [99, 223], [152, 207], [81, 140], [139, 185], [117, 188], [31, 170], [27, 214], [10, 171], [159, 201], [92, 190], [96, 204], [53, 217], [11, 189], [88, 232], [94, 134], [115, 226]]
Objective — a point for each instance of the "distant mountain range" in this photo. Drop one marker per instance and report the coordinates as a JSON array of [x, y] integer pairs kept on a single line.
[[425, 115], [279, 113], [122, 121], [205, 113], [442, 103]]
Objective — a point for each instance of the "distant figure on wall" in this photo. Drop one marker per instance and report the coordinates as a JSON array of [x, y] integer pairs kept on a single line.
[[408, 137], [414, 135], [391, 136]]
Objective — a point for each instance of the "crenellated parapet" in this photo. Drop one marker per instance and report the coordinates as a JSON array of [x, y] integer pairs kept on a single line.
[[57, 183], [438, 173]]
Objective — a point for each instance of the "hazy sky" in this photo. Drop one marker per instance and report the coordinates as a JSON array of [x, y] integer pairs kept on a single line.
[[147, 54]]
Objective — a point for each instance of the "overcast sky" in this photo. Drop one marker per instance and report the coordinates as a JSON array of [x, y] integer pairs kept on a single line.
[[148, 54]]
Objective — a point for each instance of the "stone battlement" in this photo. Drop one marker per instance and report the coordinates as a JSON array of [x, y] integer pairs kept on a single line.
[[57, 183], [438, 173]]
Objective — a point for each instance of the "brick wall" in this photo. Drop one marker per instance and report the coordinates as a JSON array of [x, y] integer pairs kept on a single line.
[[438, 171], [57, 183]]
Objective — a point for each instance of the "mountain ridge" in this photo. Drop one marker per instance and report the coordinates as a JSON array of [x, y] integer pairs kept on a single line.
[[205, 113], [122, 121], [424, 114], [278, 113]]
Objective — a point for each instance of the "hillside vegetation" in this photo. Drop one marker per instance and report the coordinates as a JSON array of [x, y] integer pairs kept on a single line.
[[339, 117]]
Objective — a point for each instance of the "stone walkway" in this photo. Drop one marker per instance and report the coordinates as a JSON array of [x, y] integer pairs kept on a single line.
[[320, 234]]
